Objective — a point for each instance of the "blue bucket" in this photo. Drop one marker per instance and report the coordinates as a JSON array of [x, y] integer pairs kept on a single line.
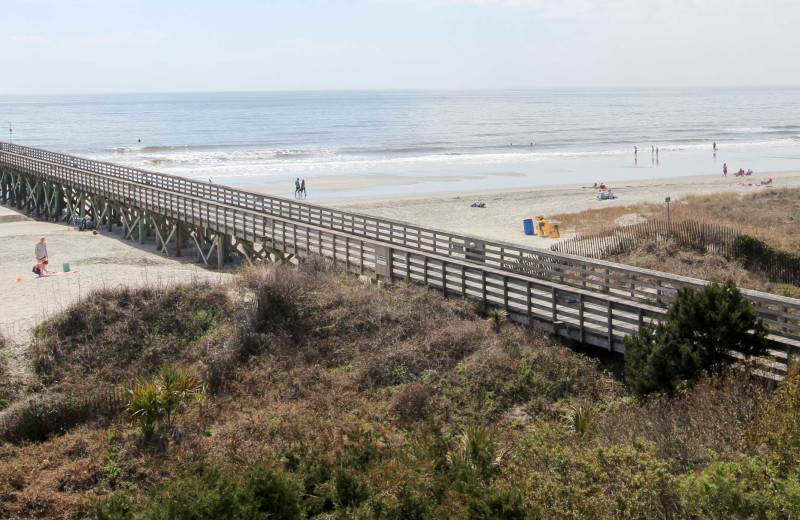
[[527, 225]]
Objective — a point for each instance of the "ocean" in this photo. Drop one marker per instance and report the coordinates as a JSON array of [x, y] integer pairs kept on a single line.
[[420, 141]]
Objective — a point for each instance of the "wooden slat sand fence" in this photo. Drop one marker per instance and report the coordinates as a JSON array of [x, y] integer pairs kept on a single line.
[[39, 416]]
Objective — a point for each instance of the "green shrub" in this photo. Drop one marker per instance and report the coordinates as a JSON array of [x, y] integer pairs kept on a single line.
[[577, 480], [701, 327], [350, 491], [742, 489], [496, 504], [210, 493], [779, 426]]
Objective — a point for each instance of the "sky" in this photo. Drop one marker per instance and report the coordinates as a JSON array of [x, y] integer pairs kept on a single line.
[[109, 46]]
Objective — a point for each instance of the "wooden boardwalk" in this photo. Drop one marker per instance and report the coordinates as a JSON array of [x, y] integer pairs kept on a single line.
[[590, 301]]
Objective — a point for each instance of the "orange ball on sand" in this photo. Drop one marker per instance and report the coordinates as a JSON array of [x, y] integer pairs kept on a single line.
[[19, 279]]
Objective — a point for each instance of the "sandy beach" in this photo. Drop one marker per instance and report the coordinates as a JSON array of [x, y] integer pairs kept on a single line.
[[505, 210], [101, 261]]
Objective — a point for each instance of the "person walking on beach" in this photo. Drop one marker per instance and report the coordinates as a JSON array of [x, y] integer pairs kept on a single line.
[[303, 188], [297, 187], [635, 151], [725, 170], [41, 251], [715, 146]]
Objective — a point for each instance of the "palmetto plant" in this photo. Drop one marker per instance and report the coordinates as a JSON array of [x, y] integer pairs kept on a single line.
[[149, 402], [497, 317], [144, 406], [580, 419], [474, 452], [176, 388]]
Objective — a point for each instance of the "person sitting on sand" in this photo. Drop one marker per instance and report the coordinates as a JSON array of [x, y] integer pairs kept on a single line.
[[749, 172], [606, 195], [477, 204], [41, 268], [740, 173]]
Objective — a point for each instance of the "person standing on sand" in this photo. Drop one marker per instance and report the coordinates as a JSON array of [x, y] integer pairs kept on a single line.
[[635, 151], [41, 251], [303, 188], [297, 186], [725, 170]]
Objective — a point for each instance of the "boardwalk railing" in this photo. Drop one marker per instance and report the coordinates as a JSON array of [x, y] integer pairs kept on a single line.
[[589, 300]]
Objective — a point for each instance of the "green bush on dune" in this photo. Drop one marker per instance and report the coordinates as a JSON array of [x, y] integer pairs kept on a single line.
[[700, 329]]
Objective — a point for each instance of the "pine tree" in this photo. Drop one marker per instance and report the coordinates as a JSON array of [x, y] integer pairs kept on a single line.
[[699, 331]]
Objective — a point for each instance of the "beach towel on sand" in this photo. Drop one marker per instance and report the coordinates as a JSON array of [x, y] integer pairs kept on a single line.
[[48, 275]]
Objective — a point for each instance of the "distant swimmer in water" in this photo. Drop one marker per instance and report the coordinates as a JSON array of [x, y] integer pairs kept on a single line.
[[140, 140]]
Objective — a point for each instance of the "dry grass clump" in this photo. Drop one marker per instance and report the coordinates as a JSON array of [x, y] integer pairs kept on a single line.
[[113, 334], [666, 255], [598, 220], [714, 419]]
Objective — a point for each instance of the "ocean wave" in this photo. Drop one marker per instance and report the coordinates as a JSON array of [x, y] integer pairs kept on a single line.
[[758, 129], [177, 148]]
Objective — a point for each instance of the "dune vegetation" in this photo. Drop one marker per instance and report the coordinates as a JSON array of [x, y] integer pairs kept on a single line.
[[302, 392], [770, 216]]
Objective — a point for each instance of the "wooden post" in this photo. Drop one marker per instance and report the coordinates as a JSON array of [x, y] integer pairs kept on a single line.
[[383, 262], [178, 238], [142, 217], [222, 246]]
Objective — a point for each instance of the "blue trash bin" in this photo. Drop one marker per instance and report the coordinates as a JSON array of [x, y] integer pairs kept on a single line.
[[527, 225]]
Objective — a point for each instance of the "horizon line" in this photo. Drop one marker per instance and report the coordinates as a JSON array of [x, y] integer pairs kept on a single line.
[[467, 89]]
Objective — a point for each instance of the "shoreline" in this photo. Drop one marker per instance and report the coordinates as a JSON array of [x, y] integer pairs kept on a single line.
[[506, 208]]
